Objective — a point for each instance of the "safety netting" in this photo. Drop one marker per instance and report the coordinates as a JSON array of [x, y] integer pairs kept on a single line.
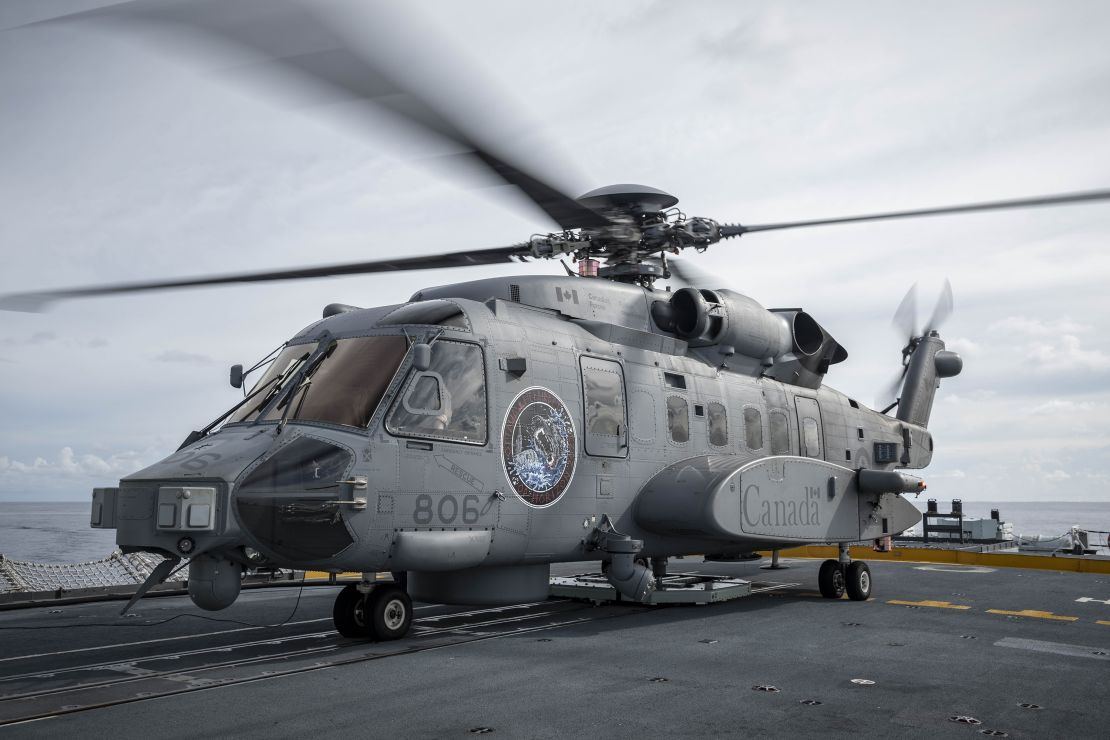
[[118, 569]]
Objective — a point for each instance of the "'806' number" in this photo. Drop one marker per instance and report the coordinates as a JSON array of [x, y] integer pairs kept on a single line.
[[446, 509]]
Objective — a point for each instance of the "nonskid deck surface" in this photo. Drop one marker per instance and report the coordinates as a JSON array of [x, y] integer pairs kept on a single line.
[[939, 647]]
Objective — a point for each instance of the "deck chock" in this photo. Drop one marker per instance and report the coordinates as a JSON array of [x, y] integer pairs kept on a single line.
[[675, 588]]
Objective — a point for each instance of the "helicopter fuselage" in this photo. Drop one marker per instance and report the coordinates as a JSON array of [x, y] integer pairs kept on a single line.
[[550, 409]]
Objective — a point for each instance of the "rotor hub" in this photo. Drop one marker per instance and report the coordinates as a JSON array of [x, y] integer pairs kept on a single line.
[[628, 197]]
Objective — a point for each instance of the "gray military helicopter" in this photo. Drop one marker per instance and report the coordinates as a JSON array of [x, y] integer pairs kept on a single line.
[[470, 437]]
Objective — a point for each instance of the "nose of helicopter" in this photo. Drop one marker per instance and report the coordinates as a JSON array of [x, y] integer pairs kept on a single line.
[[243, 490]]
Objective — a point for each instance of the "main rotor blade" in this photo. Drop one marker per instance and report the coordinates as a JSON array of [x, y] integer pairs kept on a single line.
[[299, 44], [998, 205], [39, 301], [691, 276]]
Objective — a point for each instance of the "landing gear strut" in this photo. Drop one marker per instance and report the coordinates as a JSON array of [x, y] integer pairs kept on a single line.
[[838, 577], [381, 612]]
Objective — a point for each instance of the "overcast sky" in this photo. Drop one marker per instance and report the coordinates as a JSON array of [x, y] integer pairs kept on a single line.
[[119, 161]]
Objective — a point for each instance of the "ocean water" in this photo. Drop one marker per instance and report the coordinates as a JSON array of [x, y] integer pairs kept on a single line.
[[56, 532], [60, 532], [1049, 518]]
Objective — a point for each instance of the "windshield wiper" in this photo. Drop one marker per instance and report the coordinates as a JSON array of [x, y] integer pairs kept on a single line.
[[305, 382], [276, 386], [195, 435]]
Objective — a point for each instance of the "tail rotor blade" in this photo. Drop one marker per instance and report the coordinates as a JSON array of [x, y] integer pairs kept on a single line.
[[905, 316], [890, 392], [943, 308]]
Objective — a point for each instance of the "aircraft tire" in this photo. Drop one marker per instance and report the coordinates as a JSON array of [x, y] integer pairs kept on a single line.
[[389, 610], [351, 613], [830, 580], [858, 580]]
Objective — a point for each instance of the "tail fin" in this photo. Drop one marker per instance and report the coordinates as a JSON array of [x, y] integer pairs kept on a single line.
[[928, 362]]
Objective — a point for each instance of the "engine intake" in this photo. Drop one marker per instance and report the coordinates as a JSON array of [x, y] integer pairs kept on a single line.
[[790, 340], [705, 317]]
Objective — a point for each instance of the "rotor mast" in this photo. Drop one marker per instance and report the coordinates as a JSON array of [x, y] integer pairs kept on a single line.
[[643, 226]]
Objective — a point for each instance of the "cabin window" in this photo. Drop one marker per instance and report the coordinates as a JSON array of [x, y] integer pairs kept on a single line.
[[718, 424], [886, 452], [678, 419], [811, 437], [674, 380], [780, 434], [753, 428], [446, 402], [605, 412]]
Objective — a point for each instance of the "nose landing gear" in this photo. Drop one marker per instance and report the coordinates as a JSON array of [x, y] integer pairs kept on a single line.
[[378, 612], [838, 577]]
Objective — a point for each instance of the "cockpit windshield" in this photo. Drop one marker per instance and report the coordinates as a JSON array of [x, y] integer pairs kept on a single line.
[[342, 386]]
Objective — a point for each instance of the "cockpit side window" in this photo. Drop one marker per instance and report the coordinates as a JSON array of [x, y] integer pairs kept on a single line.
[[448, 401]]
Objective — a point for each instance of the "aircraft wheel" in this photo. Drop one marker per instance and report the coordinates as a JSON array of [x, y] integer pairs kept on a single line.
[[858, 581], [351, 613], [830, 580], [389, 610]]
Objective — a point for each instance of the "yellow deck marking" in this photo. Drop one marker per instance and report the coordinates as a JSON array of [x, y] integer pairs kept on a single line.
[[1072, 563], [322, 575], [1102, 621], [934, 604], [1033, 613]]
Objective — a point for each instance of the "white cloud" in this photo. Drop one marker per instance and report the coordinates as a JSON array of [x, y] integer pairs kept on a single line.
[[1062, 406], [963, 345], [67, 463], [1024, 326], [955, 473], [1067, 354]]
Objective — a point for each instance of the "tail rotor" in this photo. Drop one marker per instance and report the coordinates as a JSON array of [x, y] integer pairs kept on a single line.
[[905, 322]]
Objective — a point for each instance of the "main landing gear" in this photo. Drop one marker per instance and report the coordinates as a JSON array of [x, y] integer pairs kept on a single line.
[[838, 577], [370, 611]]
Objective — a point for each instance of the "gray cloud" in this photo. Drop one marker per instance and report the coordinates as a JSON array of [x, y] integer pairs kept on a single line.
[[180, 356], [37, 338]]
